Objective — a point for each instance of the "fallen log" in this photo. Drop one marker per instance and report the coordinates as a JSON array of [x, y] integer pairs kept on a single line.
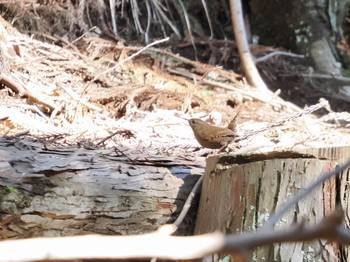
[[66, 191]]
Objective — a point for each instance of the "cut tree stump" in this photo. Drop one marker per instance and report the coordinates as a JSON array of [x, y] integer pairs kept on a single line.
[[240, 192]]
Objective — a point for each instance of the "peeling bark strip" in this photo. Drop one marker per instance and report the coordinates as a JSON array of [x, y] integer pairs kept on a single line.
[[69, 191], [240, 193]]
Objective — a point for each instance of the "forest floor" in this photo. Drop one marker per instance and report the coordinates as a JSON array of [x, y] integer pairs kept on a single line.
[[97, 87]]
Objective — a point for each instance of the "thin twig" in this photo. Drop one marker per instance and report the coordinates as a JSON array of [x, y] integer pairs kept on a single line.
[[172, 247], [23, 133], [4, 118], [67, 44], [76, 97], [274, 53], [119, 64], [127, 132], [195, 190], [197, 187], [302, 193], [323, 76], [306, 111], [129, 58], [12, 83], [116, 149]]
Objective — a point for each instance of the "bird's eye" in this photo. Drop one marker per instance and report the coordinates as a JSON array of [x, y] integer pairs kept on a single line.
[[192, 122]]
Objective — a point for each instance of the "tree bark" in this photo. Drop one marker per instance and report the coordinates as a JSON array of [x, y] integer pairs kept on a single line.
[[240, 193], [310, 27], [247, 61], [314, 28], [65, 191]]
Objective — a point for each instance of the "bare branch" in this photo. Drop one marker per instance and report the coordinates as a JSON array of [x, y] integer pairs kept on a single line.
[[308, 110], [274, 53], [187, 205], [302, 193], [119, 63], [9, 81], [249, 68], [148, 246], [106, 247], [329, 229]]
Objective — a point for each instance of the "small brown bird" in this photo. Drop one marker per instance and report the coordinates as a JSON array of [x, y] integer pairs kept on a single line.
[[210, 136]]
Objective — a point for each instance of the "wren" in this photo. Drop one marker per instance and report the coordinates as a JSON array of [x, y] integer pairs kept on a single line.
[[211, 136]]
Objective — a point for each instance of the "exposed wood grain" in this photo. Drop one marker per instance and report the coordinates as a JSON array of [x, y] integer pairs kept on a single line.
[[241, 192], [71, 191]]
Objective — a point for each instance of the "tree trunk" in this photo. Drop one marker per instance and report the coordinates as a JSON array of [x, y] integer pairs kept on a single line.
[[314, 28], [46, 191], [240, 193], [302, 26]]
